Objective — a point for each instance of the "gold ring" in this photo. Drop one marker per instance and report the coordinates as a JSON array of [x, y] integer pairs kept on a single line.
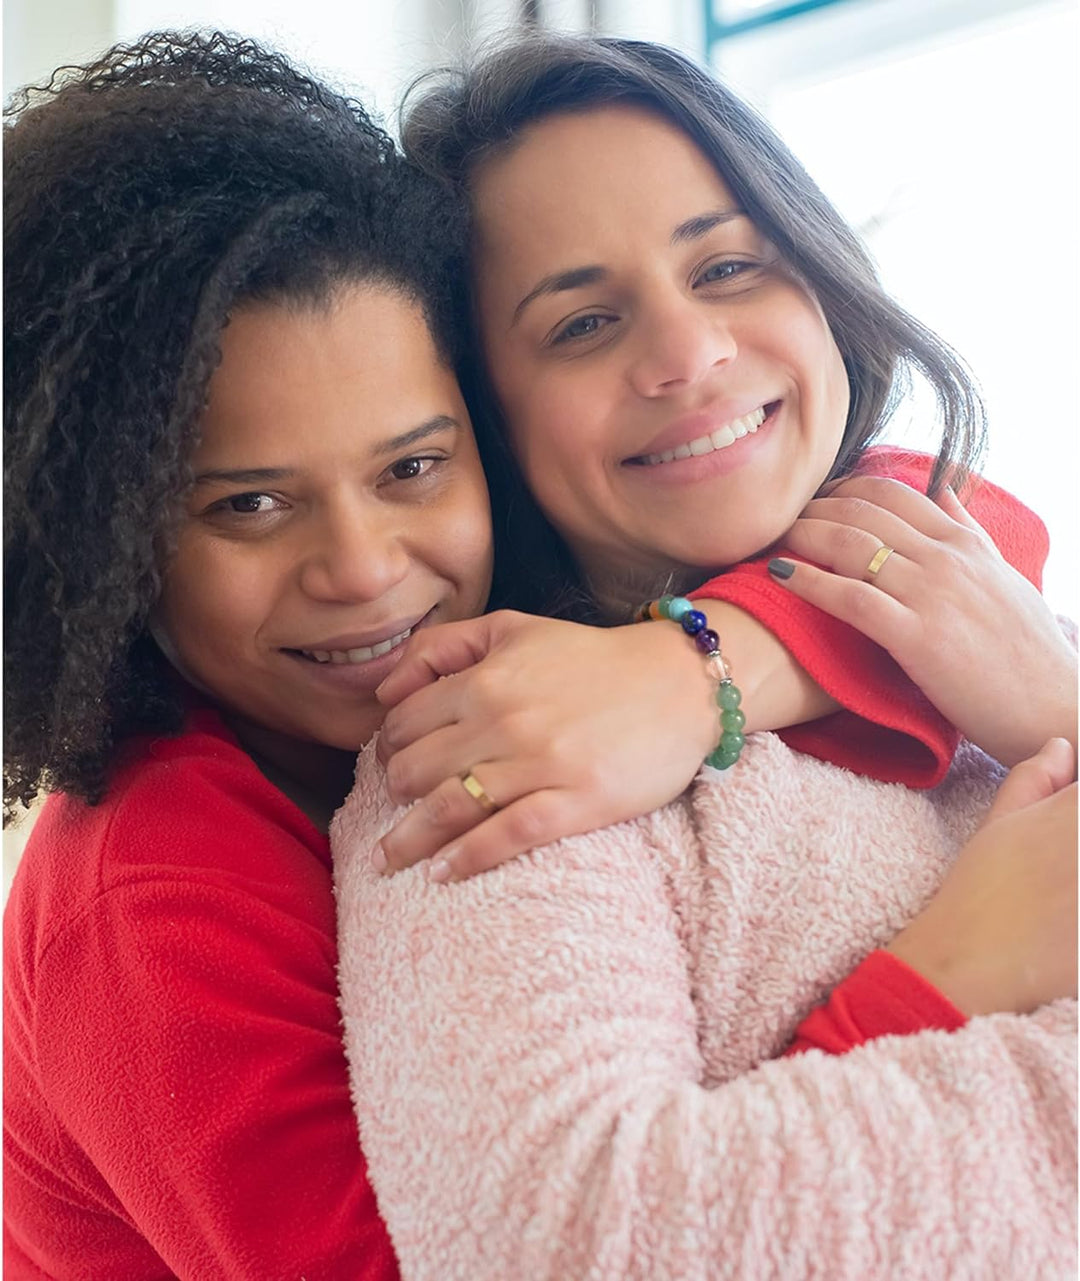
[[880, 557], [477, 791]]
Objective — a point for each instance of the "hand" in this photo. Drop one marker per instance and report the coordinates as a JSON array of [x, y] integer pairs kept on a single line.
[[974, 635], [1000, 934], [566, 727]]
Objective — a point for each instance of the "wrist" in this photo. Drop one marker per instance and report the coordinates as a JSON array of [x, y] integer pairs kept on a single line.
[[927, 953], [690, 690], [777, 690]]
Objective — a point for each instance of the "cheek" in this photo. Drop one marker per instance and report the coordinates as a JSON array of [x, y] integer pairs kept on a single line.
[[206, 606], [460, 542]]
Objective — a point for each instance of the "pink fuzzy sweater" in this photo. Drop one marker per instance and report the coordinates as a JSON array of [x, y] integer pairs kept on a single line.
[[561, 1068]]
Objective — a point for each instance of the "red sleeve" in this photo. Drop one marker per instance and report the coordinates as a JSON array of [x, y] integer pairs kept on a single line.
[[191, 1047], [888, 729], [883, 997]]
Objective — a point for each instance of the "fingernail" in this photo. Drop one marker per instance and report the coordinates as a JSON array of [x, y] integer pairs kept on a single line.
[[378, 859], [439, 871], [781, 568]]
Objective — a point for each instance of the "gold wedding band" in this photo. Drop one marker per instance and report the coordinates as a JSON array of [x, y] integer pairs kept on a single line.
[[880, 557], [477, 791]]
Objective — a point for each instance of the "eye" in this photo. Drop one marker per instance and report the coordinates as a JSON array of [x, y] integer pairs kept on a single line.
[[252, 504], [582, 327], [412, 468], [716, 273]]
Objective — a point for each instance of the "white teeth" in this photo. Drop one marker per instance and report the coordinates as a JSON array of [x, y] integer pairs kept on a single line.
[[720, 439], [361, 655]]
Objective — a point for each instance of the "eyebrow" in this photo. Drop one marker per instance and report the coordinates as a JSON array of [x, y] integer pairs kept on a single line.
[[266, 475], [560, 282], [563, 281], [700, 225]]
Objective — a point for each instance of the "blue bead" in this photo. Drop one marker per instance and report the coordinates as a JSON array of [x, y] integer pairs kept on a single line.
[[693, 621], [678, 607]]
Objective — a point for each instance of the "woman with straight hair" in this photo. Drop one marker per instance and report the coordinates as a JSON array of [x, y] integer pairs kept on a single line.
[[562, 1068]]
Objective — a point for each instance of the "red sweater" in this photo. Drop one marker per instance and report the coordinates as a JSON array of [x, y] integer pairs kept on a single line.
[[176, 1097], [890, 730]]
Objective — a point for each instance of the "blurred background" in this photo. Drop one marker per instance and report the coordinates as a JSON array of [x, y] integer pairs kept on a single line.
[[945, 130]]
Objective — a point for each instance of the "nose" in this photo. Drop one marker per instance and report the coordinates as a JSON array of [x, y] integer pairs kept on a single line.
[[678, 343], [352, 556]]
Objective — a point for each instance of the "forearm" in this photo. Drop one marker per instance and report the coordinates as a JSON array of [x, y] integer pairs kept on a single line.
[[529, 1037]]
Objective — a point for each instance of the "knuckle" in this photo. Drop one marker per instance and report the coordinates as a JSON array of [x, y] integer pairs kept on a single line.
[[399, 777], [859, 603], [849, 538], [442, 808], [529, 824]]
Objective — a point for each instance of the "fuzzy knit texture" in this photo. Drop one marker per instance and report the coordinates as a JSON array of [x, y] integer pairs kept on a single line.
[[567, 1068], [887, 728]]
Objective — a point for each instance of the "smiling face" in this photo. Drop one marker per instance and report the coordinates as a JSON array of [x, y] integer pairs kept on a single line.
[[672, 391], [339, 504]]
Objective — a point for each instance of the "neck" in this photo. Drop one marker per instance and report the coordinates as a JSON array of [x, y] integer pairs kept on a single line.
[[314, 776]]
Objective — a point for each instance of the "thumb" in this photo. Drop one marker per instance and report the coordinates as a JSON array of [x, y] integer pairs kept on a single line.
[[1040, 776]]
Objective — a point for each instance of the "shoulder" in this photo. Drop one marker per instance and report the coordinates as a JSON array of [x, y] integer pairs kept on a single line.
[[186, 816]]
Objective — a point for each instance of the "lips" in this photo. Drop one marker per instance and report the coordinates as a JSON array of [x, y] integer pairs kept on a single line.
[[358, 649], [361, 654], [700, 434]]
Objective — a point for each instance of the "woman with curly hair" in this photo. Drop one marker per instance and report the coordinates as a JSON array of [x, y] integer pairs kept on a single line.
[[220, 278]]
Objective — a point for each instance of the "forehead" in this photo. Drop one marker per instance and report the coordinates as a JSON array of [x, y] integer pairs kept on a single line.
[[579, 175], [364, 363]]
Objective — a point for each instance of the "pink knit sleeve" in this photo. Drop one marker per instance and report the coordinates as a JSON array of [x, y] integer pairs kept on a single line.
[[527, 1074]]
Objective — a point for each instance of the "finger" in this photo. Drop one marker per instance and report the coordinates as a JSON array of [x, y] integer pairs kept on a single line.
[[1047, 772], [423, 712], [864, 606], [849, 550], [948, 502], [432, 652], [536, 819], [448, 812], [446, 752], [915, 509]]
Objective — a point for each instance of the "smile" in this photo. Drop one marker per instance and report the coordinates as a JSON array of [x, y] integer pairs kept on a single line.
[[362, 655], [722, 438]]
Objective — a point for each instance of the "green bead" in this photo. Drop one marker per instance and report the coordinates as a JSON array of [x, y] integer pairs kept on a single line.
[[664, 604], [721, 758], [732, 719], [731, 740], [728, 696]]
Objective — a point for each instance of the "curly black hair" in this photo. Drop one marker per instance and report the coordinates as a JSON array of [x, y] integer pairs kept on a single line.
[[147, 195]]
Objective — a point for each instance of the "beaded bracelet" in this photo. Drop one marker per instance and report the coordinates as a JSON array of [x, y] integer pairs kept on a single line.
[[728, 698]]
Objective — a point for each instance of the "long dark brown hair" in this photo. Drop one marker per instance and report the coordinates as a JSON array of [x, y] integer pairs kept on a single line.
[[455, 120]]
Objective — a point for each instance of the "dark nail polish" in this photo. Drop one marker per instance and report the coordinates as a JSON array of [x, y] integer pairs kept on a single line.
[[781, 568]]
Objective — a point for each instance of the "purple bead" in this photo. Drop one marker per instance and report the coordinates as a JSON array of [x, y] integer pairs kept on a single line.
[[707, 641], [693, 621]]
